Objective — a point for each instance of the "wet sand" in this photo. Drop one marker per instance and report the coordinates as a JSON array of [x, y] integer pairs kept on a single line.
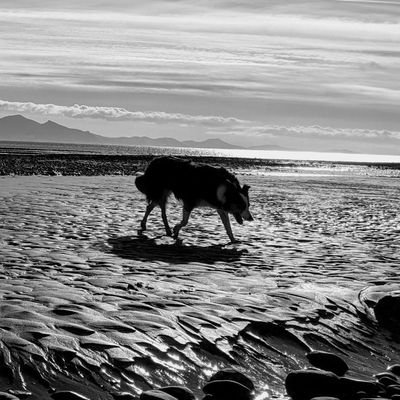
[[89, 305]]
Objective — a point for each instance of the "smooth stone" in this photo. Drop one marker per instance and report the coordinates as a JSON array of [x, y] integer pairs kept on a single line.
[[387, 381], [387, 374], [156, 395], [395, 397], [306, 384], [328, 362], [230, 374], [227, 390], [387, 312], [394, 369], [180, 392], [68, 395], [351, 386]]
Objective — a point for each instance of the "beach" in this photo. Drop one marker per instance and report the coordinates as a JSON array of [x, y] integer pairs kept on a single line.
[[91, 306]]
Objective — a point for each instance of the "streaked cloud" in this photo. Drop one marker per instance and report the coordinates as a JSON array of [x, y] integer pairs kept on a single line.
[[233, 65], [269, 131], [114, 113]]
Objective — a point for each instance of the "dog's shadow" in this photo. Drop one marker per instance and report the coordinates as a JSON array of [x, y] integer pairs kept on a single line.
[[143, 248]]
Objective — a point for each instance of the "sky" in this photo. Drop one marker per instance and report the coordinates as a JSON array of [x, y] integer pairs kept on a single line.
[[306, 75]]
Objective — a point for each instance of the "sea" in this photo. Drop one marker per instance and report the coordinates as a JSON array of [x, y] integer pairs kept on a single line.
[[198, 152]]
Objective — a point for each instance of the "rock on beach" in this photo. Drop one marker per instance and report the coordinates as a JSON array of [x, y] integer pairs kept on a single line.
[[328, 362], [306, 384]]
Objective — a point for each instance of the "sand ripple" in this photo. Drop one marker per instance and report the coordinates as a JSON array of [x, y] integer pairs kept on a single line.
[[90, 306]]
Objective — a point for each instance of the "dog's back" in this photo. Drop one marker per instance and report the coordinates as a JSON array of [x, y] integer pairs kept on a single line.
[[161, 177]]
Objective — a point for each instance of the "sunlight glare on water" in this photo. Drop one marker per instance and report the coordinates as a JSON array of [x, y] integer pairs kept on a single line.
[[309, 155], [197, 152]]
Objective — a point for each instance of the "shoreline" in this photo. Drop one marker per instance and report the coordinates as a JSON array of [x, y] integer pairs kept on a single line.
[[23, 162]]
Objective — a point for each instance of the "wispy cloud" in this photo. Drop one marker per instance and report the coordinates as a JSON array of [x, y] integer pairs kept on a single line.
[[115, 114], [322, 131], [265, 60]]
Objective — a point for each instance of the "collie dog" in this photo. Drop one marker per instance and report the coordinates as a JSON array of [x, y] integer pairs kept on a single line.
[[195, 185]]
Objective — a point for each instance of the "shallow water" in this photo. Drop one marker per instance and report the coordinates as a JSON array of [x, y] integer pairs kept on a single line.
[[87, 304], [279, 156]]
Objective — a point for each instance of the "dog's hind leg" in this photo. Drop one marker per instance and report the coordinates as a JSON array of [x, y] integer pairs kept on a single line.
[[184, 222], [149, 209], [227, 224], [165, 219]]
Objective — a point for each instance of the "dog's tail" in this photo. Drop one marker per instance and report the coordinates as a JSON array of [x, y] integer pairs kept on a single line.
[[141, 184]]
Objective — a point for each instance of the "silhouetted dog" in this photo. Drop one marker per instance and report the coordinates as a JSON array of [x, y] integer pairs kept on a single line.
[[196, 185]]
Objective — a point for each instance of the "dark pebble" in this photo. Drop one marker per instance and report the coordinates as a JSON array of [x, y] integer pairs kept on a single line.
[[328, 362], [394, 369], [387, 381], [387, 374], [230, 374], [180, 392], [306, 384], [387, 312], [156, 395], [227, 390], [68, 395], [351, 386]]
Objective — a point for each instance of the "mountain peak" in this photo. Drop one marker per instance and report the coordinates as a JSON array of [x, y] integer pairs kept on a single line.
[[50, 123], [15, 117]]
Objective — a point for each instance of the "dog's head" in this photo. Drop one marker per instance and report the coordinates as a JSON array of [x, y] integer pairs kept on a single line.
[[235, 200]]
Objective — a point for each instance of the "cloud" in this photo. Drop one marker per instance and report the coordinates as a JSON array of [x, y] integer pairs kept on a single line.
[[222, 21], [115, 114], [269, 131]]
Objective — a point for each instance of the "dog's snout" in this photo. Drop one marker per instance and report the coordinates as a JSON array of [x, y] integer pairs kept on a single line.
[[247, 216]]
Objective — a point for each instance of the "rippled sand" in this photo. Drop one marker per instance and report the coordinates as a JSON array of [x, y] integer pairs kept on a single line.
[[90, 306]]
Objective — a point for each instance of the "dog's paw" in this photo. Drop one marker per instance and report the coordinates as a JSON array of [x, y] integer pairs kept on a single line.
[[175, 232]]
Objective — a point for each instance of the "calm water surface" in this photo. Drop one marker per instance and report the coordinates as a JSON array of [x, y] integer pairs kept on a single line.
[[236, 153]]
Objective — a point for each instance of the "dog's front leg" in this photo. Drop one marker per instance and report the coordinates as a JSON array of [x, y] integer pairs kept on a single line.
[[184, 222], [149, 209], [227, 224]]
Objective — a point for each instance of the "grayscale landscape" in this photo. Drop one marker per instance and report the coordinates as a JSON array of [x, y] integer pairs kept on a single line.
[[280, 117]]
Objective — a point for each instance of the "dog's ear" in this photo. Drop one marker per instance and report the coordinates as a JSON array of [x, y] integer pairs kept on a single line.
[[221, 193], [245, 189]]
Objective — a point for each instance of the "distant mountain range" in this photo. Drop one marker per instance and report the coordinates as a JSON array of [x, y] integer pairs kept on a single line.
[[18, 128]]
